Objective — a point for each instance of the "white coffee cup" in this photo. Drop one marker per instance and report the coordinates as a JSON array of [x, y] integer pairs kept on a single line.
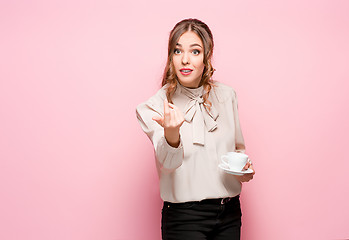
[[235, 161]]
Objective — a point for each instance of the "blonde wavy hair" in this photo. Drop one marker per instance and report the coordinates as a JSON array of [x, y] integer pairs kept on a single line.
[[170, 77]]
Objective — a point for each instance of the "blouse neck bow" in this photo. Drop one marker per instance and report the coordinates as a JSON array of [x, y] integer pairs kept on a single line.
[[196, 111]]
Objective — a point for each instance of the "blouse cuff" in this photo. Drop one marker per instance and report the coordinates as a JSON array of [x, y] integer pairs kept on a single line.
[[168, 156], [173, 149]]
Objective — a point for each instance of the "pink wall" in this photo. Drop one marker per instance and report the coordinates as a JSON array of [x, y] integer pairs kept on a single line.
[[75, 164]]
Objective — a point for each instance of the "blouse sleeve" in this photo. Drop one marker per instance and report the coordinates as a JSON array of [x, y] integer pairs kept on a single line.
[[169, 157], [239, 139]]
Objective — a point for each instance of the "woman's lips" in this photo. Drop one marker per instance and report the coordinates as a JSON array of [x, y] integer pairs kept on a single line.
[[185, 72]]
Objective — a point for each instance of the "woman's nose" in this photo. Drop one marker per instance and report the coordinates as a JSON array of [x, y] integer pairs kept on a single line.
[[185, 59]]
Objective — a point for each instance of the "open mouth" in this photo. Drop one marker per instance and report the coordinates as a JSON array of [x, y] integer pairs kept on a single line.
[[185, 71]]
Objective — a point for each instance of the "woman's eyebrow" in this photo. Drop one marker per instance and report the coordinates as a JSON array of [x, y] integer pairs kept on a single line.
[[192, 45]]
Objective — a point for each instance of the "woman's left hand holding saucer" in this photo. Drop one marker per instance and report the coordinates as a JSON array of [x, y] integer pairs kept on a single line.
[[247, 176]]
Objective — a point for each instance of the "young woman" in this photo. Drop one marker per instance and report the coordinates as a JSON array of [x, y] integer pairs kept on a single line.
[[192, 121]]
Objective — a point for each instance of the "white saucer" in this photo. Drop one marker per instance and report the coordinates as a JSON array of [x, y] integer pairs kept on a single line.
[[238, 173]]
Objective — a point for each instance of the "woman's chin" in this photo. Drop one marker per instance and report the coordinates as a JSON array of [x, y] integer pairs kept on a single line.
[[189, 83]]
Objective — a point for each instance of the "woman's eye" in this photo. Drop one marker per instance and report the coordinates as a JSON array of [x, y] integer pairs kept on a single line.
[[196, 52], [177, 51]]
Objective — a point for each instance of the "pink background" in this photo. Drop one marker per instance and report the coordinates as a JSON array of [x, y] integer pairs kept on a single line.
[[75, 164]]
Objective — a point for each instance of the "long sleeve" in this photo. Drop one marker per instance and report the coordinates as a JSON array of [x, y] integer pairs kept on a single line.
[[168, 157], [239, 139]]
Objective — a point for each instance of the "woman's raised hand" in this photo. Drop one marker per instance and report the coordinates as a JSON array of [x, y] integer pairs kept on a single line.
[[171, 122]]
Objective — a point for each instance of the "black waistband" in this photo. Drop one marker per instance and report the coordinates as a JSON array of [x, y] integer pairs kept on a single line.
[[208, 201]]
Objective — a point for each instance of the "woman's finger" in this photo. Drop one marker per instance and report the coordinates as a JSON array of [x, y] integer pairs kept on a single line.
[[178, 118], [172, 106], [247, 166], [166, 108], [251, 167], [175, 122], [172, 120], [167, 115], [179, 115], [159, 120]]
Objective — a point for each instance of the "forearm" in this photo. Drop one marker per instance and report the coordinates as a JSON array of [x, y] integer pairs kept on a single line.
[[172, 137]]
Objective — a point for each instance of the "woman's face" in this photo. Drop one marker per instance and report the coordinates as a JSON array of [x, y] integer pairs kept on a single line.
[[188, 59]]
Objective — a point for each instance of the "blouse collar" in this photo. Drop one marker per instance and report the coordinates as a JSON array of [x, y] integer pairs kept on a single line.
[[198, 112]]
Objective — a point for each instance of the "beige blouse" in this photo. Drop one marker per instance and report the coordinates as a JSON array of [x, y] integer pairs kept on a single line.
[[190, 172]]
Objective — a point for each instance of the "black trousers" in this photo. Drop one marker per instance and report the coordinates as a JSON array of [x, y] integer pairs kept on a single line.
[[207, 219]]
